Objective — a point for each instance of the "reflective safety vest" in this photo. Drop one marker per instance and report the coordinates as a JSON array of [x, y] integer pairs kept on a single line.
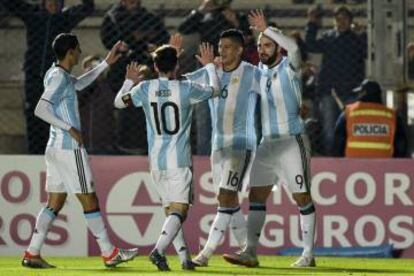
[[370, 129]]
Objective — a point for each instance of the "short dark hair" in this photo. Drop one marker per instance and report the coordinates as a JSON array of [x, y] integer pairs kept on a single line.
[[63, 43], [344, 10], [235, 35], [165, 58]]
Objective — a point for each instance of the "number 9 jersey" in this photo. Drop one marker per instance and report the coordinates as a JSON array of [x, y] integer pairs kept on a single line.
[[168, 106]]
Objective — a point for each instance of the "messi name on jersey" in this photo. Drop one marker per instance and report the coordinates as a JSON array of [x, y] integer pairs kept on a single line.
[[163, 93]]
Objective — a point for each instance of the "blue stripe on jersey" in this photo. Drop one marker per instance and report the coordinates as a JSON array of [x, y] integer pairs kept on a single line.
[[242, 123], [162, 155], [251, 133], [186, 111], [219, 114]]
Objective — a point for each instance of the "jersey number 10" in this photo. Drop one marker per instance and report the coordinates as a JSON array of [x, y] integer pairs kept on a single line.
[[163, 121]]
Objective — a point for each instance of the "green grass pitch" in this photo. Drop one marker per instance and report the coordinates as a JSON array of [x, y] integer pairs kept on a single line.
[[269, 265]]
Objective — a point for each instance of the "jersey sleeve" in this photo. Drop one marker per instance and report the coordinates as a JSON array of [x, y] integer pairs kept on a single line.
[[199, 92], [137, 95], [199, 76], [54, 87]]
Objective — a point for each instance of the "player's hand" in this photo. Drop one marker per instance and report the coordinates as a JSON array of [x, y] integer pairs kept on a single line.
[[176, 41], [77, 135], [257, 20], [134, 73], [206, 53], [116, 52]]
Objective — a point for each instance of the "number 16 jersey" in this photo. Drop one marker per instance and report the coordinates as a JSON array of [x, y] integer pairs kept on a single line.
[[168, 110]]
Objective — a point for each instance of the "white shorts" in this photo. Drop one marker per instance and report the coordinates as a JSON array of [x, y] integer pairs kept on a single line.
[[174, 185], [231, 168], [285, 159], [68, 171]]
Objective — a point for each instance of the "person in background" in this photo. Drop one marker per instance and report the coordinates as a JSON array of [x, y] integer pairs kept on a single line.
[[43, 23], [369, 129], [143, 31], [343, 52], [97, 112]]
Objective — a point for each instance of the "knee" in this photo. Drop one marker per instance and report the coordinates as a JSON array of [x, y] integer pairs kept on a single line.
[[227, 198], [302, 199], [259, 195], [179, 210]]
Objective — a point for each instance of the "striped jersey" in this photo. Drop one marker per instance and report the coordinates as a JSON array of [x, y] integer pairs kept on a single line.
[[168, 110], [60, 92], [232, 113], [281, 101]]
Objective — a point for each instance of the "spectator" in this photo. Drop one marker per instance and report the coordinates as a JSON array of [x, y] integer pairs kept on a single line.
[[343, 52], [142, 31], [213, 17], [210, 19], [368, 129], [43, 23], [410, 56], [97, 112]]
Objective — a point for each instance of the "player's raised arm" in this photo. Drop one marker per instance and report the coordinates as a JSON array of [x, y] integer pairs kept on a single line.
[[113, 56], [132, 77], [206, 58], [257, 21]]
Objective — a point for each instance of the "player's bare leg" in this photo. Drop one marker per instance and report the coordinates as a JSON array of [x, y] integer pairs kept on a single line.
[[228, 204], [111, 255], [45, 218]]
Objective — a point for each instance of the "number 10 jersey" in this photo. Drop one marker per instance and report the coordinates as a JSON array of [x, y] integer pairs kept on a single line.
[[168, 107]]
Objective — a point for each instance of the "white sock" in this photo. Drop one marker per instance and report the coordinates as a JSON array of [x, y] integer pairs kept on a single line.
[[97, 227], [217, 230], [181, 246], [239, 227], [307, 225], [169, 230], [255, 222], [44, 219]]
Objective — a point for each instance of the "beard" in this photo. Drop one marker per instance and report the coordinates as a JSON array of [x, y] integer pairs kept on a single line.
[[268, 60]]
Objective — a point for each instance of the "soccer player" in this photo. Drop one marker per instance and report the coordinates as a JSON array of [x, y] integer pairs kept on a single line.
[[284, 152], [234, 136], [168, 105], [67, 165]]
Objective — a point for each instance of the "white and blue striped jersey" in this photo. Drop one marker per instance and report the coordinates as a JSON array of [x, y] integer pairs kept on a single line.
[[232, 113], [60, 92], [280, 103], [168, 110]]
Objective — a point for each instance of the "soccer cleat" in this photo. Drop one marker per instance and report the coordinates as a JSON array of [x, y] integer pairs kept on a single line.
[[242, 258], [120, 255], [159, 261], [304, 261], [188, 265], [35, 261], [200, 260]]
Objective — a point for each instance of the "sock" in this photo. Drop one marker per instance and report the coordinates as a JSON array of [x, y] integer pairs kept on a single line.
[[169, 230], [217, 230], [97, 227], [181, 246], [255, 222], [239, 227], [307, 225], [44, 220]]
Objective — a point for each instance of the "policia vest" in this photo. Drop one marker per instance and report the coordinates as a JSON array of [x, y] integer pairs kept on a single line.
[[370, 130]]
